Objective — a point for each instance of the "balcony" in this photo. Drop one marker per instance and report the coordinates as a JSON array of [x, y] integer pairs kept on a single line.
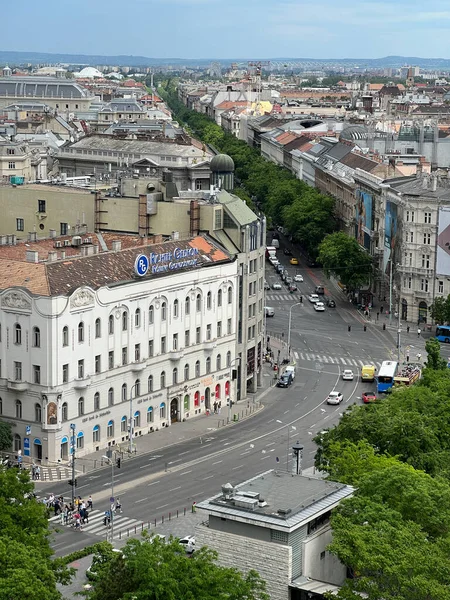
[[176, 354], [80, 383], [420, 294], [138, 365], [210, 345], [17, 386]]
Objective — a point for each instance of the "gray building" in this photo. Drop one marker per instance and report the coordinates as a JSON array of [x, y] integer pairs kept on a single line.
[[279, 525]]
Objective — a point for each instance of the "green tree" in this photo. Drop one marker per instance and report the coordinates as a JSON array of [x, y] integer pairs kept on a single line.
[[440, 310], [6, 438], [149, 569], [434, 359], [344, 258]]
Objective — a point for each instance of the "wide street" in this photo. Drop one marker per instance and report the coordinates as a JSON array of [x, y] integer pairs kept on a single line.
[[153, 485]]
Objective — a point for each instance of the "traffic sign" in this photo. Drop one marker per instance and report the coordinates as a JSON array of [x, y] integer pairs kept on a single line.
[[141, 265], [28, 429], [111, 499]]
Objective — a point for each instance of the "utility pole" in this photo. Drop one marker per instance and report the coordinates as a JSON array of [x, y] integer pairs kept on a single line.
[[391, 277], [73, 443], [112, 499]]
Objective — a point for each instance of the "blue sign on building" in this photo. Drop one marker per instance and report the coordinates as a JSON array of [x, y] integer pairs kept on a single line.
[[28, 429], [141, 265], [26, 446]]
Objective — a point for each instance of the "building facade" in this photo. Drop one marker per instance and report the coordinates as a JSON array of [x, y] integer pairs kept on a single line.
[[88, 342], [61, 94]]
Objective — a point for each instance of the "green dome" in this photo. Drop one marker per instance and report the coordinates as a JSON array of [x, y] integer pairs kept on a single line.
[[222, 163]]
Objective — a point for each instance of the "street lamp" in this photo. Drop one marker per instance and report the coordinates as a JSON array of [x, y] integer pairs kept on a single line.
[[110, 461], [238, 358], [73, 444], [289, 328], [289, 429], [130, 448]]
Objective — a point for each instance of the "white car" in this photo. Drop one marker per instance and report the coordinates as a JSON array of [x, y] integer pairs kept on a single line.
[[276, 286], [298, 278], [334, 398], [319, 306], [274, 261], [313, 298], [347, 375], [189, 543]]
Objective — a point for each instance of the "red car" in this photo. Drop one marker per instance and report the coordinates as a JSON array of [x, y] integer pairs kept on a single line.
[[368, 397]]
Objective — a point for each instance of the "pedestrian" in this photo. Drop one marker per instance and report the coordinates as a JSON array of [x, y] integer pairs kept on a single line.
[[378, 315], [419, 356], [118, 506], [407, 358], [407, 329], [419, 331], [194, 507], [220, 406], [381, 309], [89, 503], [38, 472], [107, 518]]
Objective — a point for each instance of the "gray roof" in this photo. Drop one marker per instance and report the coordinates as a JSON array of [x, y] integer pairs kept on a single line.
[[42, 87], [237, 208], [291, 501], [338, 151], [414, 187]]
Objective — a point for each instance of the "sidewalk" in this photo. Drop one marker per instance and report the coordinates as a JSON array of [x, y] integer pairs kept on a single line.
[[201, 427]]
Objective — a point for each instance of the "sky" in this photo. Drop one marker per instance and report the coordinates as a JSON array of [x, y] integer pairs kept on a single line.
[[230, 28]]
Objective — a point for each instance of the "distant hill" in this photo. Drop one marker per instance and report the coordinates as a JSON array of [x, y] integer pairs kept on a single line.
[[23, 58]]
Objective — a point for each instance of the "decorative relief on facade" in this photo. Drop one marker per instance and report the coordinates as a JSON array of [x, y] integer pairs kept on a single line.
[[81, 298], [16, 300]]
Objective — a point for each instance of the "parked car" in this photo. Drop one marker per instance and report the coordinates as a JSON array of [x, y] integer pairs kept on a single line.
[[279, 268], [288, 280], [320, 290], [298, 278], [294, 261], [334, 398], [274, 261], [292, 287], [331, 303], [284, 275], [266, 285], [347, 375], [287, 252], [189, 543], [368, 397], [276, 286], [319, 306], [313, 298], [285, 380], [269, 311]]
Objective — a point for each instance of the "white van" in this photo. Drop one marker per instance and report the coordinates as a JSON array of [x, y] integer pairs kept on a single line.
[[275, 243], [269, 311], [290, 369]]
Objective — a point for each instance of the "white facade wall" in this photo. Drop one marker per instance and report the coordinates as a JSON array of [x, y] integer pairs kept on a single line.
[[172, 399], [318, 563]]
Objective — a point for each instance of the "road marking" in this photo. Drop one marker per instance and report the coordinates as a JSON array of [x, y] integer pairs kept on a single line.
[[271, 444], [209, 477], [285, 412], [163, 506], [246, 452], [141, 500], [181, 453], [217, 462], [271, 420], [264, 457], [176, 488], [153, 483], [234, 468], [186, 472], [174, 461]]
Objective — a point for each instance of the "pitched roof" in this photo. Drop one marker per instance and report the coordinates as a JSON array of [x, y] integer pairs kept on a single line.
[[227, 104], [356, 161]]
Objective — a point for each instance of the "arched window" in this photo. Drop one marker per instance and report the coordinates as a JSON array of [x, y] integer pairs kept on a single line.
[[175, 376], [163, 311], [150, 414], [36, 337], [217, 392], [208, 301], [64, 414], [197, 368], [18, 409], [197, 399], [80, 406], [186, 371], [81, 331], [162, 382], [187, 402], [230, 295], [150, 383], [111, 324], [198, 303], [17, 334], [162, 410], [208, 365], [65, 336], [151, 314], [98, 328], [17, 442], [218, 362], [124, 424], [96, 434], [124, 392], [176, 306], [137, 318], [228, 359], [97, 401], [38, 413], [124, 320], [111, 397], [219, 298], [110, 429], [137, 419], [137, 387], [187, 305]]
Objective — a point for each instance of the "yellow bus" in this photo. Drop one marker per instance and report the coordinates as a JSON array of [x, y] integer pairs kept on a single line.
[[368, 373]]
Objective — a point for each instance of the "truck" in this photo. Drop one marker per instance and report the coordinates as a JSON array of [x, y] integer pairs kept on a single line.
[[271, 252]]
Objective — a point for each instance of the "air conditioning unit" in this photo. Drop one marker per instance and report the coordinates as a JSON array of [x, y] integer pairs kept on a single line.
[[58, 244]]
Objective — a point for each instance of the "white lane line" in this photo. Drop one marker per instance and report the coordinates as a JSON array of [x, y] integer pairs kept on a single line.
[[271, 444], [246, 452], [285, 412], [209, 477], [163, 506], [217, 462], [181, 453], [153, 483], [234, 468], [174, 461], [265, 457], [141, 500], [342, 360], [176, 488], [271, 421], [186, 472]]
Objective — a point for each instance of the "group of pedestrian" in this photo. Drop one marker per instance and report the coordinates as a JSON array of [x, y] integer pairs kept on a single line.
[[75, 514], [35, 472], [217, 406]]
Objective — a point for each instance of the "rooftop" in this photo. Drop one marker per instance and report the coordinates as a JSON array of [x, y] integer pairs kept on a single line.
[[277, 499]]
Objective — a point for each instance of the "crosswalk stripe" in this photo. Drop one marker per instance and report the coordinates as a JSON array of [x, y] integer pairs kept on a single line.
[[97, 527], [296, 355], [342, 360]]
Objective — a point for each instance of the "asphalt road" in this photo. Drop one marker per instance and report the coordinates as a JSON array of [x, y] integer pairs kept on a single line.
[[163, 482]]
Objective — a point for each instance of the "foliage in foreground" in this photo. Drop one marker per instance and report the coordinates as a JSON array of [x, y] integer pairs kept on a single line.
[[344, 258]]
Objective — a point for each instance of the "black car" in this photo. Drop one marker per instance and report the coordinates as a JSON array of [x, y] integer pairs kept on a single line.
[[331, 303], [287, 252], [279, 268], [285, 380]]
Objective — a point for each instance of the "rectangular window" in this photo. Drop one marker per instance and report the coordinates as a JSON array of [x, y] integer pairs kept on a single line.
[[424, 285], [229, 327], [36, 374], [63, 228], [427, 238], [124, 356], [150, 348], [175, 341], [18, 371], [427, 218], [197, 335], [440, 287], [411, 236], [425, 261], [163, 344], [41, 206], [208, 332], [98, 366], [65, 373], [219, 329], [409, 283], [11, 165], [20, 225], [111, 359], [80, 369], [137, 352]]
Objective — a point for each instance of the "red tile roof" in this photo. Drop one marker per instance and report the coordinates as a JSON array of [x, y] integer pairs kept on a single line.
[[226, 104]]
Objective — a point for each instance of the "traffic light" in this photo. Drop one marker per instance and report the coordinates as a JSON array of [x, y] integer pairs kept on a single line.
[[118, 463], [72, 482], [234, 374]]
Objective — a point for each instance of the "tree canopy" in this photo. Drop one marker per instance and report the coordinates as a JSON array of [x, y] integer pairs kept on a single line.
[[150, 569], [6, 438], [440, 310], [344, 258]]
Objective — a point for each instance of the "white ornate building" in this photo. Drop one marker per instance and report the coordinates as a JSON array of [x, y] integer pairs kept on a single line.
[[87, 341]]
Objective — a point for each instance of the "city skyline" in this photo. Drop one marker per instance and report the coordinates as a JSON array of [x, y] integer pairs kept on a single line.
[[200, 29]]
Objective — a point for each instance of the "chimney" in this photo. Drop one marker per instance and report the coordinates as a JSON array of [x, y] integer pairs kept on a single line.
[[116, 246], [52, 256], [52, 233], [96, 248], [90, 250], [425, 183], [14, 239], [32, 236], [434, 183], [84, 250], [63, 254], [32, 256], [4, 238]]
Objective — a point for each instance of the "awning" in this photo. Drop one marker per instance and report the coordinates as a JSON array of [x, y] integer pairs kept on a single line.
[[64, 440], [96, 428], [37, 441], [314, 586]]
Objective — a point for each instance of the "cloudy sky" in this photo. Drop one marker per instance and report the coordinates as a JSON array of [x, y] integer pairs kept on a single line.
[[230, 28]]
